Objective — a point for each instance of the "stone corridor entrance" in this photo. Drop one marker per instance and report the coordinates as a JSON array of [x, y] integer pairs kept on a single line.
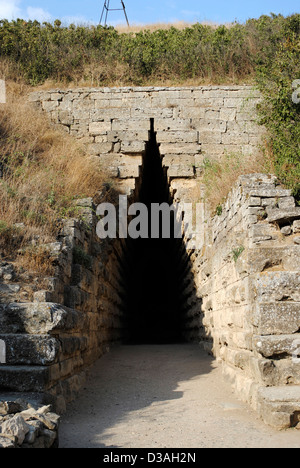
[[155, 267], [105, 293]]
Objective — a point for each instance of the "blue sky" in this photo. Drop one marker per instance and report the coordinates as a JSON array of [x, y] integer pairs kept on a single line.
[[147, 11]]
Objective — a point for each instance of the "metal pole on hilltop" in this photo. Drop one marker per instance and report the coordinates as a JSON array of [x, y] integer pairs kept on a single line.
[[106, 9]]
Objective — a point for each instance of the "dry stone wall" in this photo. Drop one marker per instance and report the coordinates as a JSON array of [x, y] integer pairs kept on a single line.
[[240, 286], [51, 342], [248, 276], [191, 123]]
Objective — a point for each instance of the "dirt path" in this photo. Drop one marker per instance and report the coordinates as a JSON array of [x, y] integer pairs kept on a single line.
[[169, 396]]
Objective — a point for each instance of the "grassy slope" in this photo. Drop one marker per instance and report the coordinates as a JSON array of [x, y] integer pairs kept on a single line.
[[44, 170]]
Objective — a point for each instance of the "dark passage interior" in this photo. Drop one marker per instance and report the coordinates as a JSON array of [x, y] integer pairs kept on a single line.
[[155, 268]]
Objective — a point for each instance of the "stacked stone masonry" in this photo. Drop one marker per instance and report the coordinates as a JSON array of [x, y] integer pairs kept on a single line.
[[248, 276], [191, 124], [241, 297]]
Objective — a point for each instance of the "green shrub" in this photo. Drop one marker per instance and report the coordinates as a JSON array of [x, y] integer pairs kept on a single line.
[[278, 112], [50, 51]]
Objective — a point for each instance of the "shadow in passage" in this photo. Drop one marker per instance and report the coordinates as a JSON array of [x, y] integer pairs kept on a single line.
[[130, 391], [156, 264]]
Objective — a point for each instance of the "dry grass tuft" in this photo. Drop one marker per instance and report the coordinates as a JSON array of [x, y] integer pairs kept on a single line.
[[43, 171], [180, 25], [220, 176], [37, 260]]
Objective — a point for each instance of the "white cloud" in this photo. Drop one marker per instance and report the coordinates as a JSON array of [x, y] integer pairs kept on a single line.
[[9, 9], [38, 14], [191, 13], [77, 20]]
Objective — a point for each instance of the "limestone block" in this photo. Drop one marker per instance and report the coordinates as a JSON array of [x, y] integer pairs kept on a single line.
[[254, 201], [205, 125], [173, 148], [155, 113], [236, 102], [192, 112], [211, 150], [16, 427], [286, 230], [173, 124], [210, 137], [65, 117], [56, 96], [99, 128], [262, 232], [277, 318], [268, 191], [100, 148], [278, 405], [212, 115], [129, 171], [132, 147], [30, 349], [287, 370], [283, 215], [290, 258], [228, 115], [24, 378], [236, 138], [39, 318], [296, 227], [270, 346], [126, 187], [116, 136], [130, 124], [49, 105], [277, 286], [184, 160], [180, 170], [109, 114], [177, 136]]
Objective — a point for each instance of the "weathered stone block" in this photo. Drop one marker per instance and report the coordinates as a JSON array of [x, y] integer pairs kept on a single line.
[[173, 148], [277, 286], [283, 215], [296, 227], [180, 170], [235, 138], [177, 136], [30, 349], [99, 128], [39, 318], [271, 346], [100, 148], [210, 137], [277, 405], [129, 171], [277, 318], [24, 378], [132, 147]]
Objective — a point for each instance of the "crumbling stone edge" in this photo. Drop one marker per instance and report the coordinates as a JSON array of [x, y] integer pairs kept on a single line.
[[27, 425]]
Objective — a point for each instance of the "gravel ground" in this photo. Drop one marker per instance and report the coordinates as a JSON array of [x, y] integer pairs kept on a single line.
[[170, 396]]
